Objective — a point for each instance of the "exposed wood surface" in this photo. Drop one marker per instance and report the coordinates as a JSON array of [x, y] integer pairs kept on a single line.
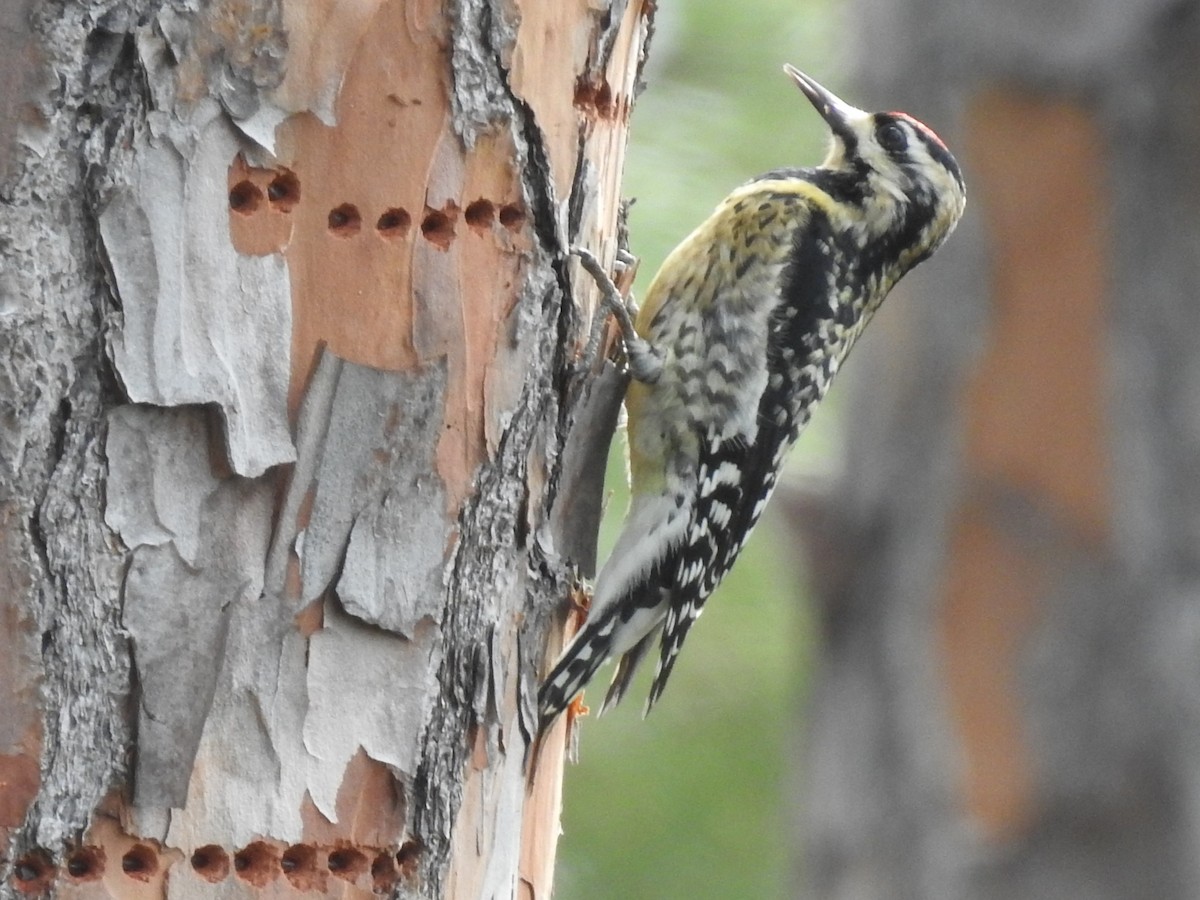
[[295, 469]]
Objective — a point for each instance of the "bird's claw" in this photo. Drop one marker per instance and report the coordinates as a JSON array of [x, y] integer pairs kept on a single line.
[[644, 363]]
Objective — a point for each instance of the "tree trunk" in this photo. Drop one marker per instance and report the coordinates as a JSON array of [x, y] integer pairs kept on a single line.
[[1007, 700], [298, 451]]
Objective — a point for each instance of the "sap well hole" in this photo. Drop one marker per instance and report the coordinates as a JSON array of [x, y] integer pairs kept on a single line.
[[512, 216], [408, 856], [256, 863], [394, 223], [438, 228], [284, 191], [86, 864], [347, 863], [140, 861], [245, 197], [383, 872], [479, 215], [210, 862], [33, 873], [344, 220]]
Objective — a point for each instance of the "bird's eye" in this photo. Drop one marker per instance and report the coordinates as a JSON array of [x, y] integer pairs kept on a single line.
[[891, 137]]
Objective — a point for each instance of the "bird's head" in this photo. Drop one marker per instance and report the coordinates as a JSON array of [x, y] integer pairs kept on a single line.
[[910, 185]]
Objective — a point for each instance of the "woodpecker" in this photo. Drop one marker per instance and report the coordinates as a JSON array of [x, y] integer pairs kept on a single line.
[[740, 334]]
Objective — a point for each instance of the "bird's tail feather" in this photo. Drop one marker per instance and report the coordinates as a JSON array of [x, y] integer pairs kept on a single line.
[[586, 653], [626, 668]]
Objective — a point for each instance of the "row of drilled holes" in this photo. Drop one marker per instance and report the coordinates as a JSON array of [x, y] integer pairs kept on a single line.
[[345, 220], [257, 863], [437, 225]]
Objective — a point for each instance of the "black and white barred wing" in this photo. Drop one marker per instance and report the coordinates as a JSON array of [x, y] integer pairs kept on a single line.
[[736, 479]]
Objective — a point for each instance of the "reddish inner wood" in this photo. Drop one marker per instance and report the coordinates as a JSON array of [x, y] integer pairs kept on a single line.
[[1034, 419]]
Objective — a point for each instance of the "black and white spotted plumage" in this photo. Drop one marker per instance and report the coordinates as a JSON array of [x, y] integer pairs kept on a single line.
[[741, 332]]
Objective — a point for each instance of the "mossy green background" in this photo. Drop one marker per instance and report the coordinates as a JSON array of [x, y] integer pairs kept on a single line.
[[695, 801]]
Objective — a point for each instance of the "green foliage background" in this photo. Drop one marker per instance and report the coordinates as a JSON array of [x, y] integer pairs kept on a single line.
[[693, 802]]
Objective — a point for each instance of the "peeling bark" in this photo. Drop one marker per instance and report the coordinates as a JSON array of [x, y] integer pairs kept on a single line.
[[298, 453]]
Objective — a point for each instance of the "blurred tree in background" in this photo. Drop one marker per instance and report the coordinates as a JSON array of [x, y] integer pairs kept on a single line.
[[1007, 699]]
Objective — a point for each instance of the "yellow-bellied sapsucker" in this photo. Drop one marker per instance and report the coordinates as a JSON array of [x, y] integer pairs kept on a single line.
[[741, 332]]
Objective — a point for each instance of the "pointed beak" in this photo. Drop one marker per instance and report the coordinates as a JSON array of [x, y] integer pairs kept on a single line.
[[835, 111]]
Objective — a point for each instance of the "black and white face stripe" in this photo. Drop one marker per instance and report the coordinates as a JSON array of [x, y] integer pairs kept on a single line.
[[899, 133]]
